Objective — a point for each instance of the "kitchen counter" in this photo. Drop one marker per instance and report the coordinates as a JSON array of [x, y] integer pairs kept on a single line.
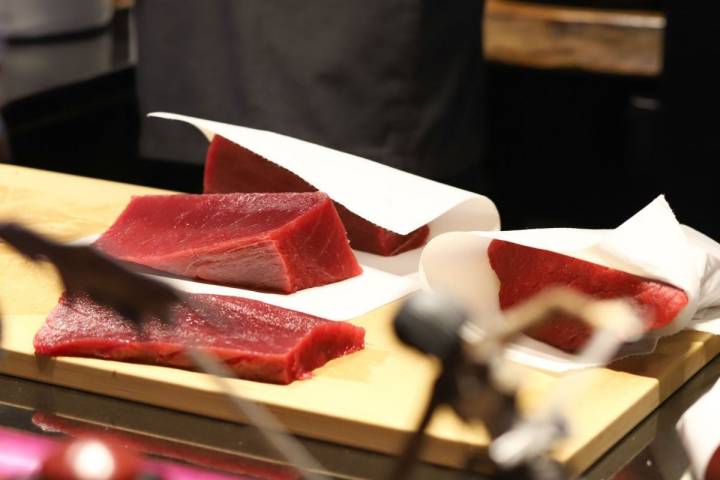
[[650, 451]]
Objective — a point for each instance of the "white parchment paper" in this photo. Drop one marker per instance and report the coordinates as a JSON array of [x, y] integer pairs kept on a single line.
[[342, 300], [650, 244], [393, 199]]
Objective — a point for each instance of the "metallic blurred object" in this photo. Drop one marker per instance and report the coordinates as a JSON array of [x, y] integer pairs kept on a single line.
[[472, 383]]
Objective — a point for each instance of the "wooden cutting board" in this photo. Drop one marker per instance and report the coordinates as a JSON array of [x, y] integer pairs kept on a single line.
[[371, 399]]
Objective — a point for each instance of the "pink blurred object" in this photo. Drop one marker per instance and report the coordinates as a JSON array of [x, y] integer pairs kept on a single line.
[[24, 454]]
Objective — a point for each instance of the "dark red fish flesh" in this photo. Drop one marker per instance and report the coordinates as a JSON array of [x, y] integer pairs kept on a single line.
[[281, 242], [257, 341], [525, 271], [232, 168]]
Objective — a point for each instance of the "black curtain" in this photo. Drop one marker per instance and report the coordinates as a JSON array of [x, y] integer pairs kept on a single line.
[[689, 144]]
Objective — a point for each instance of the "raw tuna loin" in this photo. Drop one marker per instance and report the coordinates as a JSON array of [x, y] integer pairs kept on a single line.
[[256, 340], [232, 168], [281, 242], [525, 271]]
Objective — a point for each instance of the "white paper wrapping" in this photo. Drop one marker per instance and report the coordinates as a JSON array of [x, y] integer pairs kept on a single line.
[[699, 431], [650, 244], [393, 199], [342, 300]]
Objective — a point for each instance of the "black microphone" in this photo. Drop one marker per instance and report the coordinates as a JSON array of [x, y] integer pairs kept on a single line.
[[432, 323]]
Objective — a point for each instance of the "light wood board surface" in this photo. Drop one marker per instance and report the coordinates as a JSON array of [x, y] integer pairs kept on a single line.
[[623, 42], [370, 399]]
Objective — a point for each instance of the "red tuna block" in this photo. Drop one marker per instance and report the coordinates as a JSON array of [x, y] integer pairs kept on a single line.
[[232, 168], [256, 340], [525, 271], [280, 242]]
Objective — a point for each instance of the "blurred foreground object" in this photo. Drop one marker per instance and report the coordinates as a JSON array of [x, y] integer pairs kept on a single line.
[[475, 382], [91, 459], [27, 19]]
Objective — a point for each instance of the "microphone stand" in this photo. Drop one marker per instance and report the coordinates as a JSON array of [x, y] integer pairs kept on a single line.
[[470, 381]]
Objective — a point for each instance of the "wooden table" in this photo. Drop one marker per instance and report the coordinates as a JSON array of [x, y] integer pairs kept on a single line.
[[624, 42], [371, 399]]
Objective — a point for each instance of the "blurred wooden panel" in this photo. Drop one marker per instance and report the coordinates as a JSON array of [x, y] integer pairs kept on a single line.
[[626, 42], [123, 3]]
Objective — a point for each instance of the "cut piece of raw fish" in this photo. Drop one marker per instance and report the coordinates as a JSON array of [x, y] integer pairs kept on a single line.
[[282, 242], [230, 167], [525, 271], [257, 341]]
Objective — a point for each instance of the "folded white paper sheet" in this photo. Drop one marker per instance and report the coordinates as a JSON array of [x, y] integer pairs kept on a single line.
[[650, 244], [342, 300], [388, 197]]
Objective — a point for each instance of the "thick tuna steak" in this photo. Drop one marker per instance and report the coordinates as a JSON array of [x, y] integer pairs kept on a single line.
[[232, 168], [280, 242], [525, 271], [256, 340]]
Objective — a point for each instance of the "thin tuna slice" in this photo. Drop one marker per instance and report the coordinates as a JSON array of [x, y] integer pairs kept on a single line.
[[232, 168], [256, 340], [279, 242], [525, 271]]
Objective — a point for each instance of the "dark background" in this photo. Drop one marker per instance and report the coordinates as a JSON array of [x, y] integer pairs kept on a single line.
[[564, 148]]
